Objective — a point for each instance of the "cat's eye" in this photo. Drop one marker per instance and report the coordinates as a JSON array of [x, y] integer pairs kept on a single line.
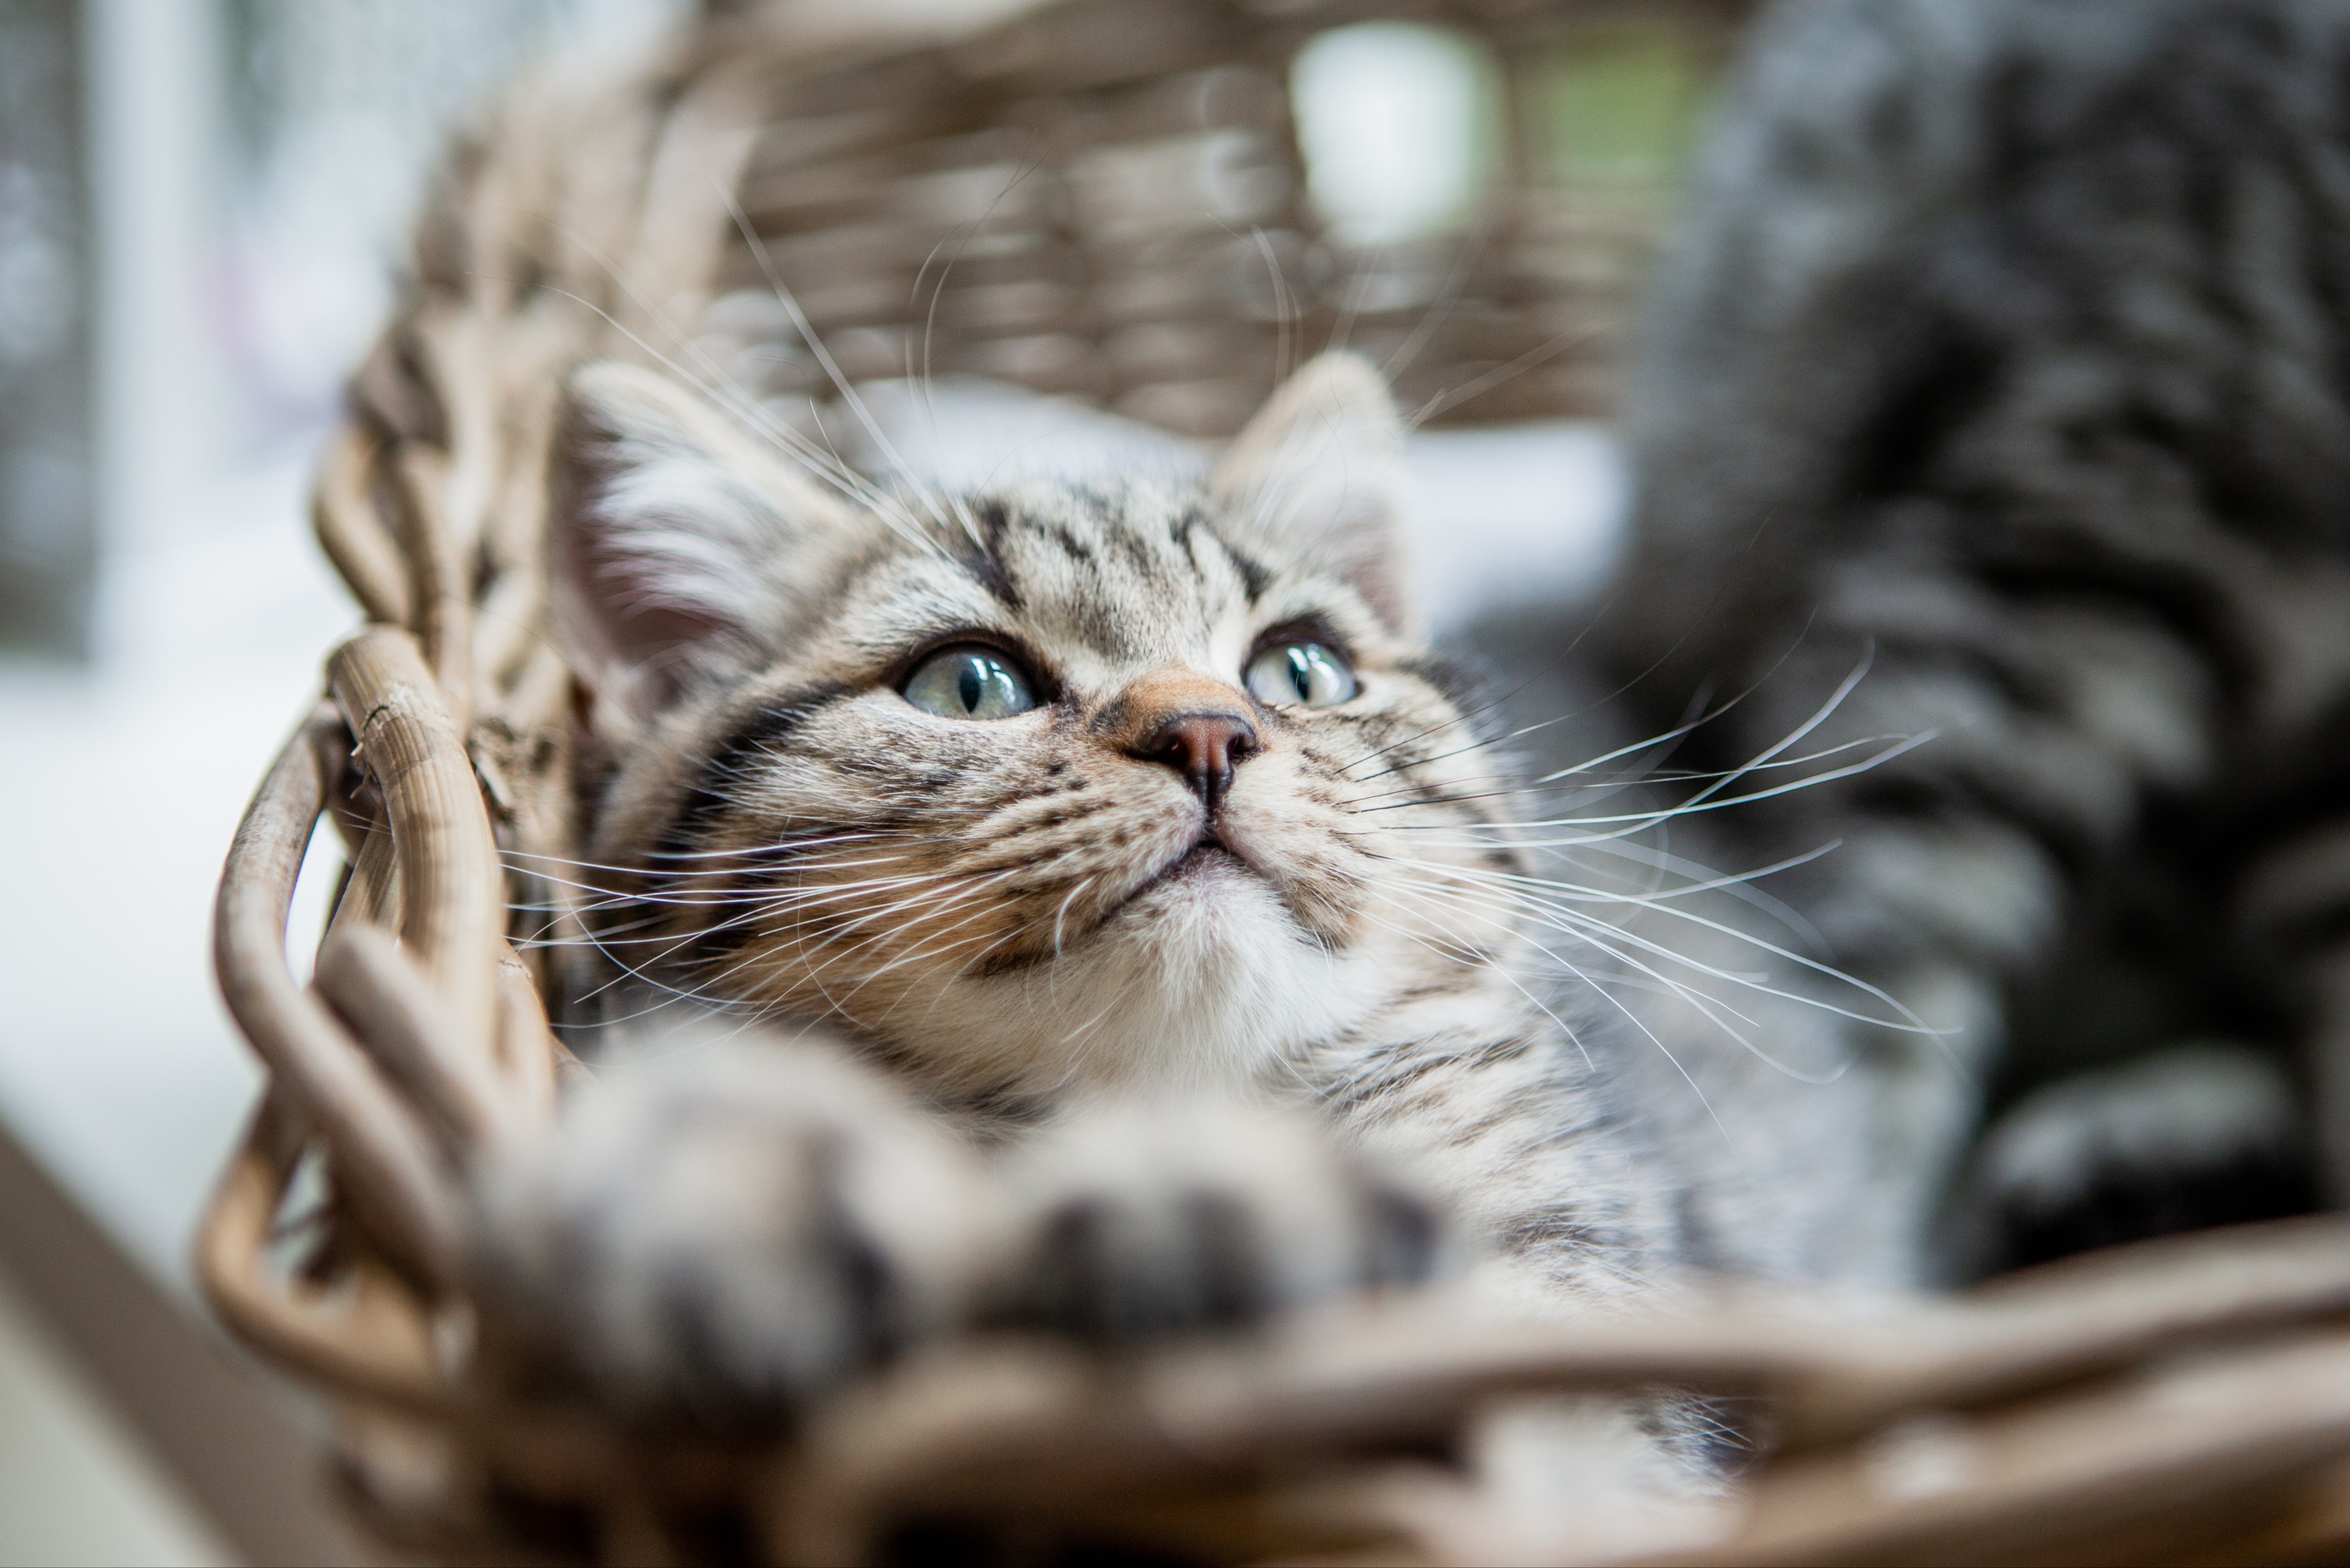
[[969, 683], [1292, 674]]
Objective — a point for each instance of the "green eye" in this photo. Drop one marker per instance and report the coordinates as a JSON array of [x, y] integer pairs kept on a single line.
[[969, 683], [1292, 673]]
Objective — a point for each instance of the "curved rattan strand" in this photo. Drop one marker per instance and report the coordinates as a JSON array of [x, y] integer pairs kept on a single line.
[[443, 612], [2160, 1462], [374, 1140], [528, 1052], [1023, 1433], [453, 888], [2094, 1313], [373, 892], [396, 1011], [352, 535], [232, 1271]]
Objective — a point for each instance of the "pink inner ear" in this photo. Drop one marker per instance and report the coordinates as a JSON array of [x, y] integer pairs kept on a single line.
[[632, 638], [626, 643]]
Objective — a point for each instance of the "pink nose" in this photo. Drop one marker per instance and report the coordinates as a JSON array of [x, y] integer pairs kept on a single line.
[[1204, 748]]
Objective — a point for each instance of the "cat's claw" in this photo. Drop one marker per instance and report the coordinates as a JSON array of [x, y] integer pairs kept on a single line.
[[1138, 1225]]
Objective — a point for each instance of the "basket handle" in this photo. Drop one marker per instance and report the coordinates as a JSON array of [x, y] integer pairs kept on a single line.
[[435, 1047], [392, 1174]]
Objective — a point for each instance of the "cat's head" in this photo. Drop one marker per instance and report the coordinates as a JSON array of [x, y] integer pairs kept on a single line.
[[1142, 780]]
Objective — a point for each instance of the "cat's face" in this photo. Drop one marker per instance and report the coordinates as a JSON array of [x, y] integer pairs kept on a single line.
[[1130, 781]]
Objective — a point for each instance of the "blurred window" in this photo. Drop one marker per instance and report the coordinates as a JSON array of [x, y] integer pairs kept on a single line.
[[336, 115], [1400, 127], [1407, 130]]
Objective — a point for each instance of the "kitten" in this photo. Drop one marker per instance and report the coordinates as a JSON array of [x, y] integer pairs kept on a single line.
[[1115, 883], [2004, 346]]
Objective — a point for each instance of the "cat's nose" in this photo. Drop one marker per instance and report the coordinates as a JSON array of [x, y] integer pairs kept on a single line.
[[1204, 748]]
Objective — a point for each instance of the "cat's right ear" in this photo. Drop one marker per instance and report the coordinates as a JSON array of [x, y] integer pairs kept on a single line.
[[1315, 475], [668, 530]]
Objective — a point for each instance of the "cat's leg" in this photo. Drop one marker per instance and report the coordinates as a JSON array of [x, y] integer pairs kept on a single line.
[[719, 1234], [1563, 1207], [1153, 1220], [1517, 1129], [2328, 1001], [1136, 1222], [2196, 1135]]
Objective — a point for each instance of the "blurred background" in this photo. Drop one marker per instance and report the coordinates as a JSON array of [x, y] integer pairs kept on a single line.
[[201, 205], [202, 209]]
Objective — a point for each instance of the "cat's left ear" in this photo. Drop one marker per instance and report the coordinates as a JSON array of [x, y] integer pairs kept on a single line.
[[671, 532], [1316, 475]]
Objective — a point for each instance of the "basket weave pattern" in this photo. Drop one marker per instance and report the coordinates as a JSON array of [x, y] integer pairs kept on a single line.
[[1117, 187]]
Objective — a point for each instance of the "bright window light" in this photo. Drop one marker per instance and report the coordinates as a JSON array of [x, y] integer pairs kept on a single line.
[[1400, 128]]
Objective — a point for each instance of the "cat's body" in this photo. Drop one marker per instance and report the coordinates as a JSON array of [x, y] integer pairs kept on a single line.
[[2009, 347]]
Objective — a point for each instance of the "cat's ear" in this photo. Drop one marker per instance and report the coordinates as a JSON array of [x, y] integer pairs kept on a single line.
[[669, 534], [1315, 476]]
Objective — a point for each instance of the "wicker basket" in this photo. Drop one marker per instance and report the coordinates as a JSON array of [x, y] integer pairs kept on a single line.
[[1111, 177]]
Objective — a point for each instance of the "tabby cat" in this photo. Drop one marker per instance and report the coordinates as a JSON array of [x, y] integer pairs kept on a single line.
[[1118, 890]]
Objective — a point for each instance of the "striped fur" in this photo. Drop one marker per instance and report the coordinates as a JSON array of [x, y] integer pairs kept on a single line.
[[2010, 345], [2003, 354]]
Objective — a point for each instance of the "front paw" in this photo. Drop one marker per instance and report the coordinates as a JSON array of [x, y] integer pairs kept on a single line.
[[715, 1238], [1136, 1225], [2187, 1138]]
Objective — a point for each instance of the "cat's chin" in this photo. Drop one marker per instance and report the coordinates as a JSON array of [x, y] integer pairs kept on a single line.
[[1214, 917], [1201, 976]]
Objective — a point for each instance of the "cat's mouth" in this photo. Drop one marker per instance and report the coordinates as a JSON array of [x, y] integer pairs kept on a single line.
[[1209, 854]]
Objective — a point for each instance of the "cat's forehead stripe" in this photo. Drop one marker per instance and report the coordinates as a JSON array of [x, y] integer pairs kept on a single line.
[[1120, 570], [1255, 576], [983, 560]]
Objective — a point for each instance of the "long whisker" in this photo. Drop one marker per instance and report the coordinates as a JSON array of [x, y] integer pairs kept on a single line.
[[713, 381], [1565, 918], [1638, 1023], [848, 393]]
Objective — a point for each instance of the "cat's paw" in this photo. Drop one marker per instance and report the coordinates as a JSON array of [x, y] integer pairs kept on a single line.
[[715, 1238], [2181, 1140], [1137, 1224]]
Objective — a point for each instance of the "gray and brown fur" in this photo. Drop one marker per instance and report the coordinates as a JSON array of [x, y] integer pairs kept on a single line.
[[2008, 344]]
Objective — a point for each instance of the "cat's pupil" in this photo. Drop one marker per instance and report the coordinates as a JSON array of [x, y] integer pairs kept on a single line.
[[968, 683], [1301, 673]]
